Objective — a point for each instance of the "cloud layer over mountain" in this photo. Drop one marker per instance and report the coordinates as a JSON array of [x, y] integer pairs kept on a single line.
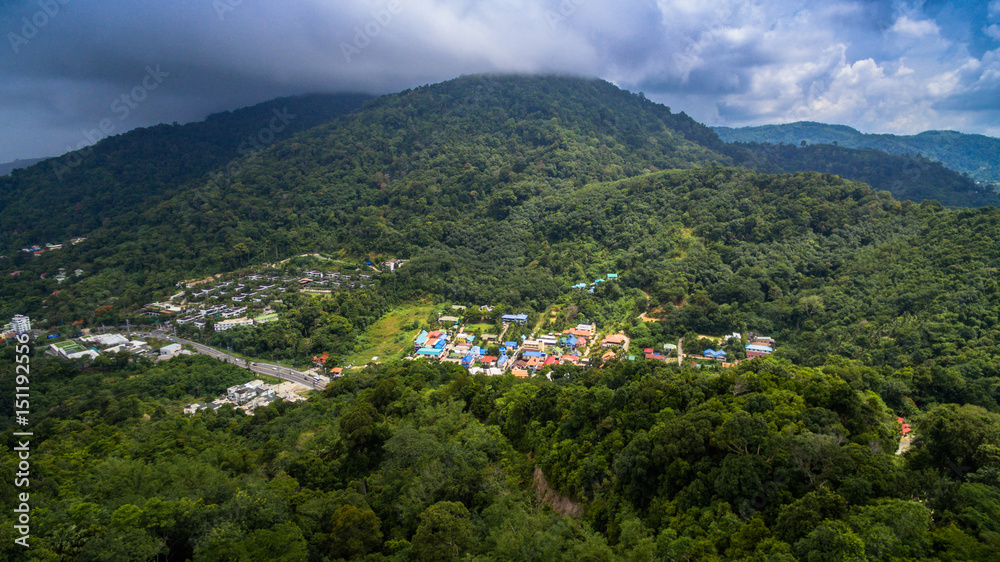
[[878, 66]]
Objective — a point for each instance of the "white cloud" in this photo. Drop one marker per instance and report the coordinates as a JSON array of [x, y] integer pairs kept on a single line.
[[922, 28]]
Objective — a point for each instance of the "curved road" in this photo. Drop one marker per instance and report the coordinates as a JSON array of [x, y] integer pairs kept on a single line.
[[268, 369]]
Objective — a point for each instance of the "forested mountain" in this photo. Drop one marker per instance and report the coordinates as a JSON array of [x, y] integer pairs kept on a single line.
[[509, 191], [911, 178], [975, 155], [101, 185]]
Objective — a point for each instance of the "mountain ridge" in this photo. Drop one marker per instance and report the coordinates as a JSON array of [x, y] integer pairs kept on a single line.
[[973, 154]]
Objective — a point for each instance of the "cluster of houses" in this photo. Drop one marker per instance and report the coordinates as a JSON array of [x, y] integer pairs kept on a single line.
[[247, 397], [458, 347], [759, 346], [487, 354], [61, 274], [227, 301], [200, 317], [589, 287], [334, 279], [37, 250], [255, 288], [549, 350]]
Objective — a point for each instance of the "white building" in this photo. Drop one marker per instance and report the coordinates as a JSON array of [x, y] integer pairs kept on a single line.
[[232, 323], [20, 324], [170, 350], [243, 393], [106, 339]]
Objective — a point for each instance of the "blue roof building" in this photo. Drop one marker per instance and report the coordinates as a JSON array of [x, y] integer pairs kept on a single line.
[[421, 339], [515, 318]]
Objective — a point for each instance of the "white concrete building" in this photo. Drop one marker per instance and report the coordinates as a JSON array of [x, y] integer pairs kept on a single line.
[[232, 323], [170, 350], [20, 324]]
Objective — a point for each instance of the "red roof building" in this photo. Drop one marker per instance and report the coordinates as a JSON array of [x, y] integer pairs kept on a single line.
[[906, 427]]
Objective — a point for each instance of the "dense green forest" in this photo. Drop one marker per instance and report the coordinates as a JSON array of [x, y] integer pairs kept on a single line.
[[768, 461], [910, 178], [978, 156], [105, 184]]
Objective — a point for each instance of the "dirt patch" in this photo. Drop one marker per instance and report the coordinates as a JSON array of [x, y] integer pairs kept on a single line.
[[291, 391], [558, 502]]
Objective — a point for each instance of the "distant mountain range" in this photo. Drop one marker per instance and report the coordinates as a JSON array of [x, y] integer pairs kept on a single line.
[[8, 167], [975, 155]]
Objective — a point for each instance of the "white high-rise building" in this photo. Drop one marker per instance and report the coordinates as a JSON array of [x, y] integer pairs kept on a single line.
[[20, 324]]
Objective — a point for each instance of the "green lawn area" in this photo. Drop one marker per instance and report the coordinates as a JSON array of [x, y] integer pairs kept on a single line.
[[388, 338], [482, 327], [70, 346]]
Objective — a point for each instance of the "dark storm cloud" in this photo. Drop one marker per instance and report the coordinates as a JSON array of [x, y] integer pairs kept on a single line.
[[887, 66]]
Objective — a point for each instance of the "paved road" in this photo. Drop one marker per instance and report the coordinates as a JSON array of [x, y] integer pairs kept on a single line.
[[268, 369]]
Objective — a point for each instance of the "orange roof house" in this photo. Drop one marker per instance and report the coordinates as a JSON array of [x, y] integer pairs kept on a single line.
[[613, 340], [906, 427]]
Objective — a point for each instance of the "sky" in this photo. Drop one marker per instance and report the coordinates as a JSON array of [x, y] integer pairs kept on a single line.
[[75, 71]]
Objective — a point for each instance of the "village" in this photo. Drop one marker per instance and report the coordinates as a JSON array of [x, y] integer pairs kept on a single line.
[[247, 299], [583, 345]]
